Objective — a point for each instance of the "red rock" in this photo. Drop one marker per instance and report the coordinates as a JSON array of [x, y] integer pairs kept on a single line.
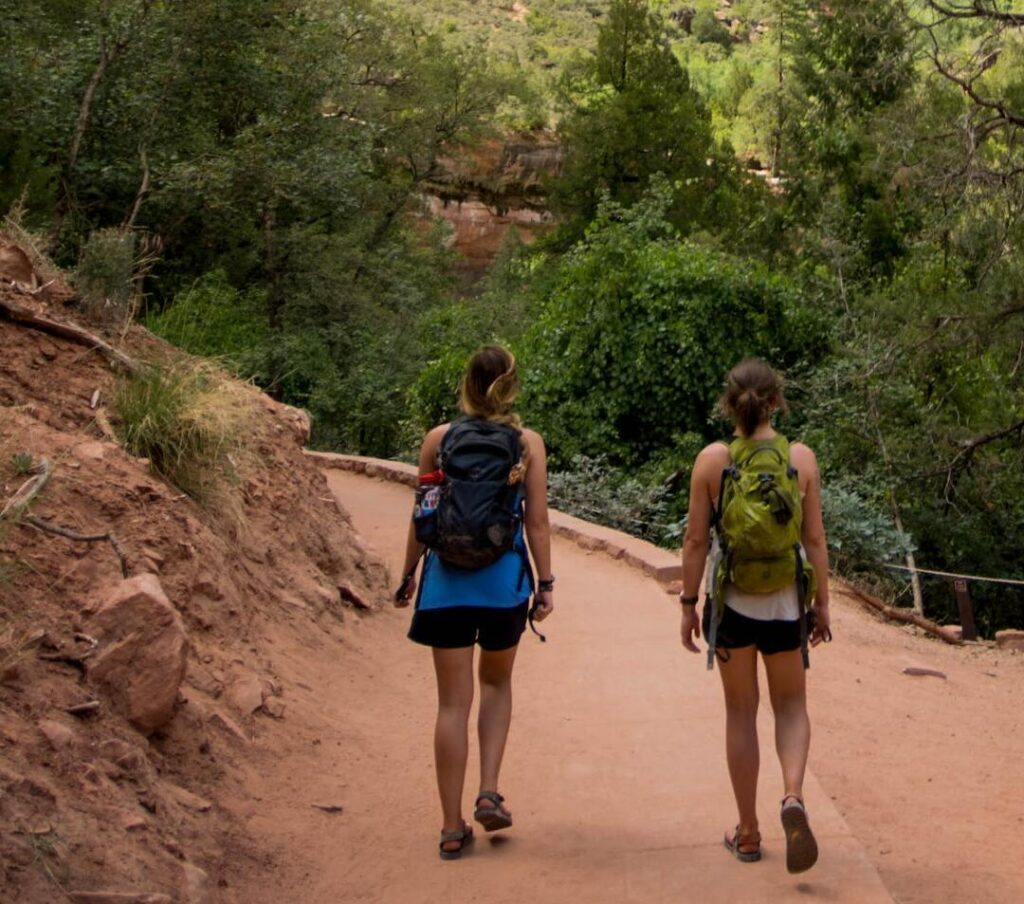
[[350, 596], [91, 450], [133, 822], [245, 694], [195, 885], [274, 707], [1010, 639], [142, 654], [124, 755], [186, 798], [229, 725], [59, 735]]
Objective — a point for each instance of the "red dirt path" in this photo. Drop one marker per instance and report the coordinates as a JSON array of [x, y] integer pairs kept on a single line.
[[615, 771]]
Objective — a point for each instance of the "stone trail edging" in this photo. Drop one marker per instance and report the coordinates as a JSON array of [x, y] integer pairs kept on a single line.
[[658, 563]]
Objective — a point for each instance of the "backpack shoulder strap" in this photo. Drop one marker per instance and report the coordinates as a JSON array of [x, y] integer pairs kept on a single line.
[[455, 427], [730, 470]]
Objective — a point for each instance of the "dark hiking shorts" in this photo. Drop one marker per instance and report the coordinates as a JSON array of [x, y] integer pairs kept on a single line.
[[738, 630], [462, 626]]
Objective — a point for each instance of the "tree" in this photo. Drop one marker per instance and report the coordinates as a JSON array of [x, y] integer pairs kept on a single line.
[[632, 113], [632, 342]]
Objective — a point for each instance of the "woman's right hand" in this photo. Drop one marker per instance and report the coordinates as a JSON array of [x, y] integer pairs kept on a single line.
[[543, 604]]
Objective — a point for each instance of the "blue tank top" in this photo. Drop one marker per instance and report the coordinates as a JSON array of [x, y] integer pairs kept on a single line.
[[506, 583]]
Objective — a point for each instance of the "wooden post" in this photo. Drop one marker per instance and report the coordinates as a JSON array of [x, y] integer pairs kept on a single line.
[[963, 600]]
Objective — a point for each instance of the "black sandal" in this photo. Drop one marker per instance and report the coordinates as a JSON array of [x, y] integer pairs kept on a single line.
[[463, 836], [492, 818]]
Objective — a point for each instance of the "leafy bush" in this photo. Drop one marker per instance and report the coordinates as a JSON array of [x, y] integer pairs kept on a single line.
[[590, 488], [187, 419], [105, 274], [214, 319], [859, 538], [639, 330]]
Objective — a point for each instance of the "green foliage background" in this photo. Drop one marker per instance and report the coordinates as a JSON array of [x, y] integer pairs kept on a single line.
[[803, 181]]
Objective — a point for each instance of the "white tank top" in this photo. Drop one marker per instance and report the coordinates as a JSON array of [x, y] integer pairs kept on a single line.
[[778, 605]]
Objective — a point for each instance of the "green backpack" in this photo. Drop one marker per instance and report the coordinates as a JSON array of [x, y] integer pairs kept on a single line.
[[760, 516], [759, 522]]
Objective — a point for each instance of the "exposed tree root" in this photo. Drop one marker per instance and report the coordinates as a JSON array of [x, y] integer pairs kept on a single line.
[[26, 317], [42, 525]]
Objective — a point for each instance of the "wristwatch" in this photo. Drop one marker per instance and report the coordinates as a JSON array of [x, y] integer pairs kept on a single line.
[[546, 585], [689, 600]]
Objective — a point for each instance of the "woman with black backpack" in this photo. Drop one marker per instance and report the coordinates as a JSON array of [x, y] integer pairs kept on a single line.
[[762, 498], [483, 478]]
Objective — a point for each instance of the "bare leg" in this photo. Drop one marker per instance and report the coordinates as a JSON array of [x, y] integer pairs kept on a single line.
[[787, 689], [454, 670], [495, 712], [739, 681]]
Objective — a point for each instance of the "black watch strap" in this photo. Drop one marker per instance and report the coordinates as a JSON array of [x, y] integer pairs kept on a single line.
[[689, 600]]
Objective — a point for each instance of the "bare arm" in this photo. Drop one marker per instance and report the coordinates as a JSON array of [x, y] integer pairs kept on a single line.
[[707, 474], [413, 548], [813, 533], [538, 528]]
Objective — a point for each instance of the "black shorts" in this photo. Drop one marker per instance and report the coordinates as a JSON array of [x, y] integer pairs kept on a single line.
[[462, 626], [736, 630]]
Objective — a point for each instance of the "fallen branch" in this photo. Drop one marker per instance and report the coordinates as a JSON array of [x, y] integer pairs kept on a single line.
[[42, 525], [27, 492], [901, 615], [70, 331]]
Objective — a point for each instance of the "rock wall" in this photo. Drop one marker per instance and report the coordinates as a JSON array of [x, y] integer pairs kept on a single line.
[[485, 191]]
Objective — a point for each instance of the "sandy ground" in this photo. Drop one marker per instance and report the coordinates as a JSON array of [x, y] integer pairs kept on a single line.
[[615, 769]]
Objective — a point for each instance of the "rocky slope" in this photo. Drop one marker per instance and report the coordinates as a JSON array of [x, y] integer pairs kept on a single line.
[[134, 696]]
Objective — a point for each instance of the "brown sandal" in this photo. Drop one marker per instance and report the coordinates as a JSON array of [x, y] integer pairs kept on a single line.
[[801, 848], [739, 841]]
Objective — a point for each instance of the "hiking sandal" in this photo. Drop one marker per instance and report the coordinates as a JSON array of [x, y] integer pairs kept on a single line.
[[463, 836], [739, 841], [494, 817], [801, 848]]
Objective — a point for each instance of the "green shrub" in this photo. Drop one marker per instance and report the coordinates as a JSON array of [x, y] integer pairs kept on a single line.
[[22, 463], [215, 320], [639, 331], [105, 276], [187, 419], [593, 490], [859, 538]]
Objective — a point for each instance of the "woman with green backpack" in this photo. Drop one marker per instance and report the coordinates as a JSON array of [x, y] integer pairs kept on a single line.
[[756, 503]]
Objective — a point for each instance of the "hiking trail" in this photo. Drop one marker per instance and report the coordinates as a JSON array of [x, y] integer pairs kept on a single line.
[[615, 770]]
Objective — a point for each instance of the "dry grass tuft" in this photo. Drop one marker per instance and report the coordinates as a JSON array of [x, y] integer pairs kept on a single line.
[[191, 421], [35, 246], [14, 648]]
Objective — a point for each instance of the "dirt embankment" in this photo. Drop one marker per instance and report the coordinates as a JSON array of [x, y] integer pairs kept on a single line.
[[129, 709]]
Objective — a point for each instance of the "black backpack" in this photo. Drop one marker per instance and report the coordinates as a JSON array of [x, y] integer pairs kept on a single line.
[[476, 513]]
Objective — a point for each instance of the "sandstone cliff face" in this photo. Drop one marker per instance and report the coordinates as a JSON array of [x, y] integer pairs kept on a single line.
[[487, 190]]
